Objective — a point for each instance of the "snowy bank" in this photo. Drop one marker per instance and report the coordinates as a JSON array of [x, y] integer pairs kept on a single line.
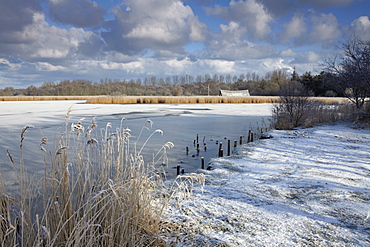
[[307, 187]]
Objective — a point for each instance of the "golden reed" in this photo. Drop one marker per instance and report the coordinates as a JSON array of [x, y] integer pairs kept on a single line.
[[41, 98], [198, 99], [168, 99]]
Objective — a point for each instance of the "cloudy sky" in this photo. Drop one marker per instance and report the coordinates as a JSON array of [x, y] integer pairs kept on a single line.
[[53, 40]]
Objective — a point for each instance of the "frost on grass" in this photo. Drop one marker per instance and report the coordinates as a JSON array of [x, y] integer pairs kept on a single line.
[[307, 187]]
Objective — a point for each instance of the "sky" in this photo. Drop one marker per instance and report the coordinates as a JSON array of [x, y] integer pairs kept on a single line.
[[54, 40]]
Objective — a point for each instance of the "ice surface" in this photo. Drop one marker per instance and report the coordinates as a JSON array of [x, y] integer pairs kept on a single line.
[[180, 124]]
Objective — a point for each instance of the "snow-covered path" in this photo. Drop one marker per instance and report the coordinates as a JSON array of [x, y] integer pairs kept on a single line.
[[307, 187]]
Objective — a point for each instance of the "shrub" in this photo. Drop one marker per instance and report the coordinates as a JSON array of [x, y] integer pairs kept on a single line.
[[296, 109]]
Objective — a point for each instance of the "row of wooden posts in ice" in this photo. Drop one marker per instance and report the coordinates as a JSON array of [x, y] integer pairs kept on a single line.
[[250, 138]]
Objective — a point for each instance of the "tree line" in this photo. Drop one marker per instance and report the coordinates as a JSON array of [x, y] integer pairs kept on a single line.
[[269, 84]]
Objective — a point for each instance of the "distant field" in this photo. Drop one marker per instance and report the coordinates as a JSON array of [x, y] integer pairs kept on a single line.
[[164, 99]]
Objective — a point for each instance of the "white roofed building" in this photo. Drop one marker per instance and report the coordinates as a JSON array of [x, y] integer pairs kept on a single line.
[[239, 93]]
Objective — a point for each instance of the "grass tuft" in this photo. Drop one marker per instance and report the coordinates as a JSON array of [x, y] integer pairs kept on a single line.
[[96, 190]]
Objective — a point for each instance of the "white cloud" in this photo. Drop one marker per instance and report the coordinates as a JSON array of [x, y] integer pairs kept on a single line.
[[325, 28], [361, 27], [238, 50], [230, 44], [295, 28], [43, 66], [6, 65], [198, 30], [127, 67], [275, 64], [218, 66], [250, 14], [176, 66], [156, 25], [309, 57], [312, 57], [40, 41], [288, 53]]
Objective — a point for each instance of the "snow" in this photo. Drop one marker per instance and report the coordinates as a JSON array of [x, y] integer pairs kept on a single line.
[[306, 187]]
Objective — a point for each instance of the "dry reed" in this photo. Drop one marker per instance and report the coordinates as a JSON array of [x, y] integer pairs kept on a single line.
[[41, 98], [96, 191], [167, 99], [196, 99], [179, 99]]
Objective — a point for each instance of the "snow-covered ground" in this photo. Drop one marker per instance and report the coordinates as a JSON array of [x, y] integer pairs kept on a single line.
[[306, 187]]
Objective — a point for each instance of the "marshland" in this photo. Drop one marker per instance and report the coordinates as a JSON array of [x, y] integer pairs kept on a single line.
[[76, 173], [63, 161]]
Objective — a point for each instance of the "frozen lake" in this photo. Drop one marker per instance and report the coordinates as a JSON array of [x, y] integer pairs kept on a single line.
[[179, 122]]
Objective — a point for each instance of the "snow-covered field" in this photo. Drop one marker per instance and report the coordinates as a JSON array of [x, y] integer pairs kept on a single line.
[[306, 187]]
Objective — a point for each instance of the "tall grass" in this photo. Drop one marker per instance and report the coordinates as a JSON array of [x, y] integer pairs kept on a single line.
[[194, 99], [96, 191], [166, 99], [41, 98], [179, 99]]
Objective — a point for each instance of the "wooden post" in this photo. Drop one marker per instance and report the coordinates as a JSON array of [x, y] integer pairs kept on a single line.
[[219, 149], [252, 136], [235, 144], [187, 150], [241, 140], [249, 136], [178, 170], [228, 147], [202, 162], [182, 171], [197, 138], [221, 153]]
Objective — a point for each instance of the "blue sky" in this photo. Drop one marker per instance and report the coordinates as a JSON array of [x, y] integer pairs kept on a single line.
[[54, 40]]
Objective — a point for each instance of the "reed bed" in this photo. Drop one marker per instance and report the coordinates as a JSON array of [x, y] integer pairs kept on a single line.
[[179, 99], [96, 191], [197, 99], [168, 99], [41, 98]]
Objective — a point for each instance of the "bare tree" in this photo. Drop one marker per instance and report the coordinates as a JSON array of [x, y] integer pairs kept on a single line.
[[352, 70], [293, 107], [228, 78]]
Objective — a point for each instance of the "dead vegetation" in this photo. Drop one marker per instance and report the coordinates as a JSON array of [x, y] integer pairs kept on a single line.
[[196, 99], [96, 190], [168, 99], [41, 98]]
